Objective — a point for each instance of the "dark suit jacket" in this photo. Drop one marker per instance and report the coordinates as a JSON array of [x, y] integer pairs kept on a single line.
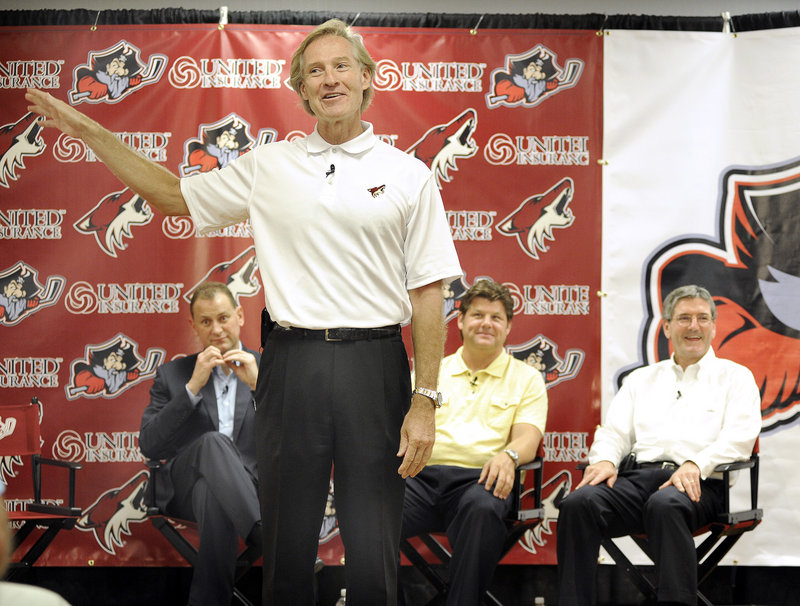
[[171, 422]]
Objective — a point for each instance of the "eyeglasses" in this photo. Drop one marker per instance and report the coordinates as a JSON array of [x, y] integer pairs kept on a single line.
[[686, 319]]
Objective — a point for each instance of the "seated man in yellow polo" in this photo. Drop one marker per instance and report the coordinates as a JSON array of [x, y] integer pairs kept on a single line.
[[491, 420]]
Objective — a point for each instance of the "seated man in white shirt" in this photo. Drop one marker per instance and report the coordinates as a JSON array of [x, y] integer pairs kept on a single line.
[[678, 418], [492, 418]]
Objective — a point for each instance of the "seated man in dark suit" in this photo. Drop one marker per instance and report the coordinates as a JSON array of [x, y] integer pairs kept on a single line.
[[200, 420], [492, 418]]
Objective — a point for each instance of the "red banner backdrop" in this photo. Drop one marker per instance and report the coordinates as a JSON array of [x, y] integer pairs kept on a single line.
[[94, 285]]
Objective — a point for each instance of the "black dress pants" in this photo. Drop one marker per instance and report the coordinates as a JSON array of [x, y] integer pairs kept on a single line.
[[323, 404], [633, 506], [444, 498]]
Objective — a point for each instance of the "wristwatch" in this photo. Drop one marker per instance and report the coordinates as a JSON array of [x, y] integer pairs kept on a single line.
[[514, 455], [429, 393]]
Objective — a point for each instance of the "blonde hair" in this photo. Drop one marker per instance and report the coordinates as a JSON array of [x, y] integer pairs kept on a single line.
[[332, 27]]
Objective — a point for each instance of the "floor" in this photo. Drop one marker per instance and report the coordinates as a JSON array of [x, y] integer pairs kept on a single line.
[[513, 585]]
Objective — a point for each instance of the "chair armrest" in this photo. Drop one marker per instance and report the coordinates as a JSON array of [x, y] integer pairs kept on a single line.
[[60, 463], [150, 490], [37, 505], [529, 513], [734, 465]]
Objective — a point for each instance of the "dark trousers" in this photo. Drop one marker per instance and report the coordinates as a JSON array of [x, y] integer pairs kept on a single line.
[[633, 506], [321, 404], [214, 489], [442, 498]]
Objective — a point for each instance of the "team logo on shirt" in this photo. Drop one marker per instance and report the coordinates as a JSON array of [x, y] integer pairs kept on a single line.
[[533, 222], [112, 74], [444, 144], [112, 513], [377, 191], [21, 293], [531, 77], [542, 353], [108, 369], [17, 141], [752, 269], [218, 144], [112, 218], [238, 274]]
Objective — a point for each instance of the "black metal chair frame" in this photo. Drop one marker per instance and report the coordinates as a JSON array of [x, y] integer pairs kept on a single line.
[[40, 513], [162, 522], [520, 519], [723, 534]]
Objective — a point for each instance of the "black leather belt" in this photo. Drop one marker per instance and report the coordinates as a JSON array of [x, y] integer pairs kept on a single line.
[[339, 334], [656, 465]]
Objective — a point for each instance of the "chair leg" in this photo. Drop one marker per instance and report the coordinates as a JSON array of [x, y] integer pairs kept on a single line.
[[489, 599], [241, 598], [643, 584]]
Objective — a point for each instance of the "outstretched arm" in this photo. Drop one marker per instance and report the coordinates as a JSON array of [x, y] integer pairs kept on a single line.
[[153, 182]]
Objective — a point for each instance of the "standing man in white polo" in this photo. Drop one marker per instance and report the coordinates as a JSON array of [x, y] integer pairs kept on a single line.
[[352, 242]]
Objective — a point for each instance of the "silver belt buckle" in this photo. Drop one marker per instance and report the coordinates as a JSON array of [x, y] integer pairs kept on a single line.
[[329, 338]]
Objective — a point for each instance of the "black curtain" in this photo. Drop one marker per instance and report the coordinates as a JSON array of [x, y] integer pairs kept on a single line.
[[594, 21]]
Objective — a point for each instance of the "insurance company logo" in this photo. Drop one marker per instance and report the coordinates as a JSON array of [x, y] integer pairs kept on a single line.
[[183, 228], [434, 77], [31, 223], [38, 73], [190, 72], [532, 150], [152, 145], [129, 298], [30, 372], [98, 446]]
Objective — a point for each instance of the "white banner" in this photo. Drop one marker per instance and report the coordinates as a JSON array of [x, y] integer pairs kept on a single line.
[[702, 144]]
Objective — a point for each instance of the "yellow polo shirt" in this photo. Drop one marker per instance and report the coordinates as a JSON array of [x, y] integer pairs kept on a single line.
[[478, 409]]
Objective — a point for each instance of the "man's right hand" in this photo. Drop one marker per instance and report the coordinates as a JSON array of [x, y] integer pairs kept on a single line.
[[150, 180], [56, 113], [602, 471], [206, 361]]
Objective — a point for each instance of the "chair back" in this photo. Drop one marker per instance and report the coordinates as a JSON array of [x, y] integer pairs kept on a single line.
[[19, 430]]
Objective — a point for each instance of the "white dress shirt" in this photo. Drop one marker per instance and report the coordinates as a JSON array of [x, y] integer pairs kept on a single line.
[[709, 414]]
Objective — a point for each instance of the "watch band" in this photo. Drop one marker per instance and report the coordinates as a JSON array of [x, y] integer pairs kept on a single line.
[[435, 396], [514, 455]]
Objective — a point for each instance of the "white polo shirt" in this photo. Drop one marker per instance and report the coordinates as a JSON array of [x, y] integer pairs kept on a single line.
[[335, 248]]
